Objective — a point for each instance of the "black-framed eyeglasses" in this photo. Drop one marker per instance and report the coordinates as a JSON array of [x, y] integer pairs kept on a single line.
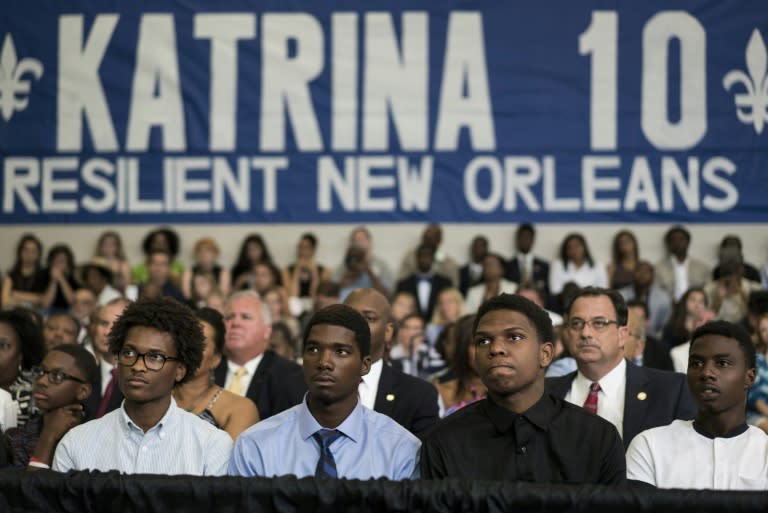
[[597, 324], [152, 360], [54, 376]]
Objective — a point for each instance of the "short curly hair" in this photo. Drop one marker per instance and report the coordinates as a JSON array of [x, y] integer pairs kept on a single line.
[[346, 317], [169, 316]]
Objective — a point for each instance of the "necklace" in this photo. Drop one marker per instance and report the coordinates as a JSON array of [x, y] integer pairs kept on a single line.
[[200, 398]]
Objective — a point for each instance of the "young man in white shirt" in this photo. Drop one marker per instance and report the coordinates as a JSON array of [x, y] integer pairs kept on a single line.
[[717, 450], [159, 344]]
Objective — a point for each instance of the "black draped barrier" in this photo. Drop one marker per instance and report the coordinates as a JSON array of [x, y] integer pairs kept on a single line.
[[94, 491]]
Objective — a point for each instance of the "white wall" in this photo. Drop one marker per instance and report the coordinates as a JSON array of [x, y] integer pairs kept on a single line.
[[392, 240]]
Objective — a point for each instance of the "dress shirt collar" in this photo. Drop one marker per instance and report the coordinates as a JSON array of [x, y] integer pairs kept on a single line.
[[611, 385], [540, 414], [250, 365], [370, 383], [105, 369], [168, 420], [352, 427]]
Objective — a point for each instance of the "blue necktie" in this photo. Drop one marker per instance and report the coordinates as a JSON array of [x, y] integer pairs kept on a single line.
[[326, 465]]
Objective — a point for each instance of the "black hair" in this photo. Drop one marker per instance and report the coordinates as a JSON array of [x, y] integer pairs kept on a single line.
[[728, 330], [346, 317], [757, 304], [171, 236], [499, 258], [538, 317], [280, 328], [425, 246], [728, 239], [26, 323], [169, 316], [617, 299], [640, 304], [677, 229], [66, 251], [328, 288], [216, 320], [243, 265], [27, 237], [84, 360], [615, 245], [526, 227], [580, 238], [66, 315], [309, 236], [679, 314], [461, 364]]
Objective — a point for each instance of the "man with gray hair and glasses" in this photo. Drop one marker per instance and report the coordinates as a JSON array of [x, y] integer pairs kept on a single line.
[[632, 398]]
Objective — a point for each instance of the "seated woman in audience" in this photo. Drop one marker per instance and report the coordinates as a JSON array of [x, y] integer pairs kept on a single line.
[[161, 239], [26, 282], [301, 277], [625, 255], [263, 276], [21, 348], [466, 387], [450, 307], [403, 305], [282, 341], [60, 292], [203, 287], [201, 396], [62, 383], [576, 265], [681, 324], [110, 248], [277, 300], [493, 284], [206, 252], [757, 399], [252, 251]]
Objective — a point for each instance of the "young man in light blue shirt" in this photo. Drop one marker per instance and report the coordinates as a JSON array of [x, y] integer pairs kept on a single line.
[[330, 434]]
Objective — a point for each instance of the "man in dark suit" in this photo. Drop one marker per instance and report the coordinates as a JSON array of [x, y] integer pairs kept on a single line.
[[632, 398], [106, 394], [525, 268], [410, 401], [471, 273], [424, 284], [249, 369]]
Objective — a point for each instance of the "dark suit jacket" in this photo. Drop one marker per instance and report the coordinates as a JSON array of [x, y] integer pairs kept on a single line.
[[410, 401], [653, 398], [656, 355], [277, 384], [540, 274], [91, 404], [411, 284]]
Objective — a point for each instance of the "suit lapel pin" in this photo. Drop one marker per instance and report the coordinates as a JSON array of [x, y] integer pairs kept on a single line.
[[390, 397], [642, 396]]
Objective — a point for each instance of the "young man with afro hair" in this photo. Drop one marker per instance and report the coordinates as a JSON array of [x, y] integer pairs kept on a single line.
[[159, 344]]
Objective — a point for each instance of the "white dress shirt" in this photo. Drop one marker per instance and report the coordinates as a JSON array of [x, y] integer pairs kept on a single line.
[[678, 456], [105, 369], [584, 276], [180, 443], [369, 385], [610, 399], [681, 277], [250, 369]]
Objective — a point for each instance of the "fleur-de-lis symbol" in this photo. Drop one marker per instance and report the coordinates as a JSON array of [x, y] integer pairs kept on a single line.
[[14, 90], [752, 106]]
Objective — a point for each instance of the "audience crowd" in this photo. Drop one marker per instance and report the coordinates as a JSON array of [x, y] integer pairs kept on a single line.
[[506, 367]]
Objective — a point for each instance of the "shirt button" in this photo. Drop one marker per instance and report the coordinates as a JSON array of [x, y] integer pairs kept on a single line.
[[522, 450]]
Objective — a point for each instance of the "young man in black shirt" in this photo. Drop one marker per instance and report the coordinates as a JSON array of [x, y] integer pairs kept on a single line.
[[521, 433]]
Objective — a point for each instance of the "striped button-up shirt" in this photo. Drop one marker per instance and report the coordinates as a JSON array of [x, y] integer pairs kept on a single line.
[[180, 443]]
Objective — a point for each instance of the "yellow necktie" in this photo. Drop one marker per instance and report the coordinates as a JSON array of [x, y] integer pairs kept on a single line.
[[236, 386]]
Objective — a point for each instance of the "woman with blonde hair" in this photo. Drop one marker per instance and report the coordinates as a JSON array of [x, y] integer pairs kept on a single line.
[[449, 308], [206, 252]]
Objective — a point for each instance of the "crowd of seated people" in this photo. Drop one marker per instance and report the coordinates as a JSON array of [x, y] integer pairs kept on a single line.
[[142, 350]]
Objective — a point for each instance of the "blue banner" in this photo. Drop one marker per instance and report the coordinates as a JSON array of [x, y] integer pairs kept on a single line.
[[243, 111]]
